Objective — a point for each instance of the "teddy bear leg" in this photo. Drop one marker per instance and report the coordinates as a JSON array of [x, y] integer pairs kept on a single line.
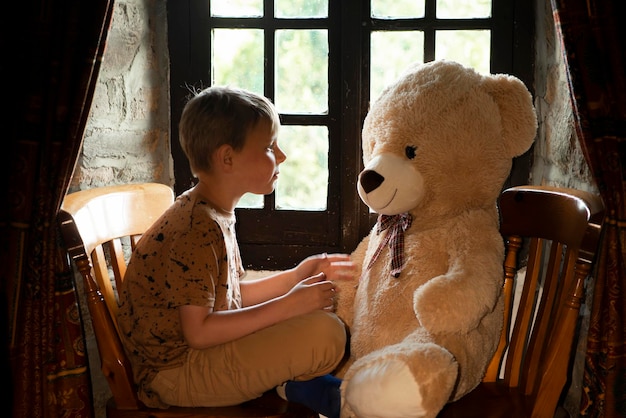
[[388, 388]]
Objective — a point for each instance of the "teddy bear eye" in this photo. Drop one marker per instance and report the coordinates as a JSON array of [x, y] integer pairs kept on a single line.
[[410, 151]]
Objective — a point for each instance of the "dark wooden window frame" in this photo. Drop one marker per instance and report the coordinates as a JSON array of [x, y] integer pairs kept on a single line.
[[278, 239]]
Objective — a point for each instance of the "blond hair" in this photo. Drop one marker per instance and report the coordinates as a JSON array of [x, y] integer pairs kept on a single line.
[[221, 115]]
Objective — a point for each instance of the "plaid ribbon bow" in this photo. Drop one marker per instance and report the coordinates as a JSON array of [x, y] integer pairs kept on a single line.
[[396, 224]]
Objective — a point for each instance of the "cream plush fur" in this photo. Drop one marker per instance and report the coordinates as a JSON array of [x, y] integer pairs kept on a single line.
[[441, 139]]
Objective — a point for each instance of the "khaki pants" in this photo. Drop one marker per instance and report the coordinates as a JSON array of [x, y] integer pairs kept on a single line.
[[301, 348]]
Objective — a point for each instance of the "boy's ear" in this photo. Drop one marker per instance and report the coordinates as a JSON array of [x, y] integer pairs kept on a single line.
[[223, 157]]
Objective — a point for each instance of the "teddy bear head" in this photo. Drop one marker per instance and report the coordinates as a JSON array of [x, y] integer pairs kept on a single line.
[[440, 140]]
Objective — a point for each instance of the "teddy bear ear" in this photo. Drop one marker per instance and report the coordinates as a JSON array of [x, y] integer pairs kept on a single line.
[[517, 113]]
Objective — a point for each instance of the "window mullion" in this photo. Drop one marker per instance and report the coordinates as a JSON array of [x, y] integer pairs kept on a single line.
[[430, 19], [270, 72], [355, 28]]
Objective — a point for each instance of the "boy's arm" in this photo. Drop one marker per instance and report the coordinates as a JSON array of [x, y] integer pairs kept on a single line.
[[204, 328], [255, 291], [334, 267]]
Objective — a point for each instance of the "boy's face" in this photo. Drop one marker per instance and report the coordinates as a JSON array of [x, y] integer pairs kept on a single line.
[[257, 162]]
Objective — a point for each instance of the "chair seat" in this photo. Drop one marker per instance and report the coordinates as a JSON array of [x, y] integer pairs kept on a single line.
[[270, 405], [503, 402]]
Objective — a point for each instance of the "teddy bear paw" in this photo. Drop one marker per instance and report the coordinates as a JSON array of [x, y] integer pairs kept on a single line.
[[385, 389]]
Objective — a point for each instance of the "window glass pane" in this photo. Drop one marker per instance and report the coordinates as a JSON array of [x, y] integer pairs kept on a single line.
[[236, 8], [303, 179], [389, 9], [301, 8], [237, 58], [457, 9], [468, 47], [392, 53], [302, 71]]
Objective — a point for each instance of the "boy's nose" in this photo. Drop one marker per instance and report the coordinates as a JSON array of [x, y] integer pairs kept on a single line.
[[280, 155]]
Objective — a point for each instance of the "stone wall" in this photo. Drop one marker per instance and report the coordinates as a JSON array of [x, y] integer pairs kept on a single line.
[[557, 157], [127, 135]]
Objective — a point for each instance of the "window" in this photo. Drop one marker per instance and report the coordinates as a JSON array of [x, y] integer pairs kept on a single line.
[[321, 62]]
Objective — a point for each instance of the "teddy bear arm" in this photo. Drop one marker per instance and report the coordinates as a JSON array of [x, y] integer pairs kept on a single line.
[[346, 289], [344, 301], [458, 300]]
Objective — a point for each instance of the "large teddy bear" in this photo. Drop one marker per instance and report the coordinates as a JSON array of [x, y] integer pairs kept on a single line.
[[426, 314]]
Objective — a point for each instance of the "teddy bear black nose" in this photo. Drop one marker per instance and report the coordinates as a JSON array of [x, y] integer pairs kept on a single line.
[[370, 180]]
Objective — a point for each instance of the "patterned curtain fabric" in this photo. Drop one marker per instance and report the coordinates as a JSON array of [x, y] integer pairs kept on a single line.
[[594, 46], [51, 57]]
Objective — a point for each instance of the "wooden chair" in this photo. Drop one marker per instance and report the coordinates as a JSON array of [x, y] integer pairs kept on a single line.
[[94, 225], [528, 372]]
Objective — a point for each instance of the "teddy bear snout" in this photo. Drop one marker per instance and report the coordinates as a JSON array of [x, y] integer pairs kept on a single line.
[[370, 180]]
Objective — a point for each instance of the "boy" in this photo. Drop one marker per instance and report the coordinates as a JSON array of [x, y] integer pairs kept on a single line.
[[195, 334]]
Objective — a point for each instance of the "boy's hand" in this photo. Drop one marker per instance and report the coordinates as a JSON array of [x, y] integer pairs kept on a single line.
[[313, 293], [334, 267]]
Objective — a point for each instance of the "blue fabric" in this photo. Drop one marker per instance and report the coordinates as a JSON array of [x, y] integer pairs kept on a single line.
[[321, 394]]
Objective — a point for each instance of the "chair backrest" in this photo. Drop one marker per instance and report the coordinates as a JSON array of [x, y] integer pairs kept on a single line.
[[96, 225], [562, 230]]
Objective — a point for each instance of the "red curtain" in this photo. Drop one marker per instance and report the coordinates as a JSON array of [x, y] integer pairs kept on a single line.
[[51, 53], [594, 45]]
